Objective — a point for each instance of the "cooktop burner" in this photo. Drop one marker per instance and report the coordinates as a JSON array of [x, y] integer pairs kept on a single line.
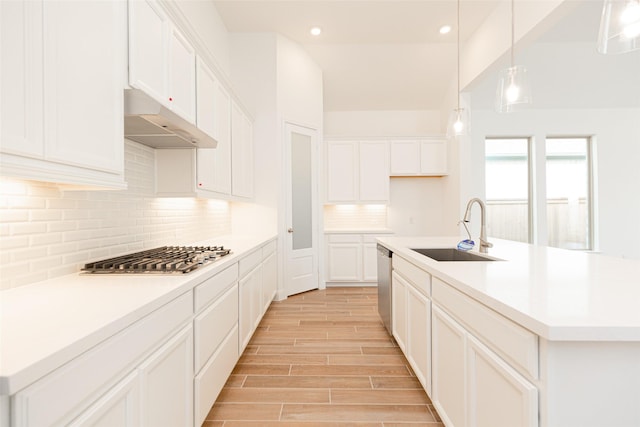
[[165, 259]]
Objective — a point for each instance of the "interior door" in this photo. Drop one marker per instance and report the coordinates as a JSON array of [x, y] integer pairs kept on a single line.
[[301, 269]]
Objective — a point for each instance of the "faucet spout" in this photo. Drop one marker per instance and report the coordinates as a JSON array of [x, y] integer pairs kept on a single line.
[[484, 243]]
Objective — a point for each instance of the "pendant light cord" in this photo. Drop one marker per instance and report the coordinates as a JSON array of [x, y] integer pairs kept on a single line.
[[513, 31], [458, 42]]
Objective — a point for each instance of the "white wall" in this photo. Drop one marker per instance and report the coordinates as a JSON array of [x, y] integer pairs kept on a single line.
[[381, 123], [617, 133]]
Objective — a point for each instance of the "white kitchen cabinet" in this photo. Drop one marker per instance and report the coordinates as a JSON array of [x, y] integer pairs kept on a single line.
[[182, 75], [250, 288], [351, 258], [241, 153], [479, 364], [419, 336], [269, 274], [369, 259], [162, 62], [413, 286], [399, 310], [50, 77], [166, 381], [357, 171], [496, 394], [342, 165], [344, 257], [419, 157], [373, 171], [214, 117], [118, 407], [157, 349], [448, 369]]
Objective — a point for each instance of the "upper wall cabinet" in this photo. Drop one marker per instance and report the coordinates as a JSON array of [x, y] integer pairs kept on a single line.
[[61, 111], [214, 118], [357, 171], [423, 157], [241, 153], [162, 62]]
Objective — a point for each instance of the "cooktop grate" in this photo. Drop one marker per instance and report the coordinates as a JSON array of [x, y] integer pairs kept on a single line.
[[165, 259]]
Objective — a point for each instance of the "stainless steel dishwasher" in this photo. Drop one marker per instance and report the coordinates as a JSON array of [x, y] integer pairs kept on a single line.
[[384, 286]]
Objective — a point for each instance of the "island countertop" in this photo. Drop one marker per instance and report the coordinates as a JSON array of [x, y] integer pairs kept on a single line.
[[558, 294]]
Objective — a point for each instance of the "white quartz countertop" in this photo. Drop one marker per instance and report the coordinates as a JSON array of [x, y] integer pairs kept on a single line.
[[46, 324], [558, 294]]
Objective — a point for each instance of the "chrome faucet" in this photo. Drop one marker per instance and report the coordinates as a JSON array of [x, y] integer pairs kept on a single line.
[[484, 244]]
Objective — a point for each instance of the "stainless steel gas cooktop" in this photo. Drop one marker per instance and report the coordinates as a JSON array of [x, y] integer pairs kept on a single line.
[[165, 259]]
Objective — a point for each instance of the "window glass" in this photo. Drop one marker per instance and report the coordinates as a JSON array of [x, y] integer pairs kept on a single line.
[[568, 174], [507, 188]]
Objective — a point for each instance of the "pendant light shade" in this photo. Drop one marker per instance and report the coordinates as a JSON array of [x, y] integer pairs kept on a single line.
[[513, 89], [619, 26], [458, 124], [513, 86]]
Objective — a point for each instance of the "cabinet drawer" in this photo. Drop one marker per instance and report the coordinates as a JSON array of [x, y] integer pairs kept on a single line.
[[419, 278], [213, 324], [268, 249], [60, 394], [517, 345], [344, 238], [211, 288], [209, 382], [249, 262]]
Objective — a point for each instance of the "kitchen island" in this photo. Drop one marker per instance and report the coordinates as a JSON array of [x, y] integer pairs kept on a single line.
[[538, 336]]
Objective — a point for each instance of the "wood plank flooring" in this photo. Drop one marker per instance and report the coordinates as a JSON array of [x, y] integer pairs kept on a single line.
[[319, 359]]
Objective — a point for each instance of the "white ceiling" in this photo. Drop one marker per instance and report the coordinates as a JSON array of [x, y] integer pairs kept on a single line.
[[389, 55]]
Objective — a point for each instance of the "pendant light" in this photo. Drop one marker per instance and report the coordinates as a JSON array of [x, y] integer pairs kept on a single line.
[[513, 86], [619, 26], [458, 119]]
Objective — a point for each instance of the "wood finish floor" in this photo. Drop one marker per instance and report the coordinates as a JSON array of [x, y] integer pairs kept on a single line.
[[323, 358]]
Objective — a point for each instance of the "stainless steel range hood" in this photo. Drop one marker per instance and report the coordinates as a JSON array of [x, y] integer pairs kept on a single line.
[[150, 123]]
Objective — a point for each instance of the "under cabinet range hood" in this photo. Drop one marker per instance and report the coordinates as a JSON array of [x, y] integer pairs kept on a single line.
[[150, 123]]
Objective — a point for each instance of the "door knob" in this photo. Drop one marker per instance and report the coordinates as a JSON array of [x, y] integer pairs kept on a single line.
[[290, 230]]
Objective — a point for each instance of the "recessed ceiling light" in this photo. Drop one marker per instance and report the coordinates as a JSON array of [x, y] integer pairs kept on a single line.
[[445, 29], [315, 31]]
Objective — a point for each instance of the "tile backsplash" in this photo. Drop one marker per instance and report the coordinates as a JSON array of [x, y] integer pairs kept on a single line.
[[355, 217], [47, 231]]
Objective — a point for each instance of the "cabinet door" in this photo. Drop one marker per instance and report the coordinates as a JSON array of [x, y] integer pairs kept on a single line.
[[166, 380], [21, 78], [369, 262], [344, 262], [399, 310], [448, 368], [83, 96], [205, 98], [405, 157], [182, 76], [419, 336], [241, 153], [374, 171], [269, 280], [250, 288], [148, 48], [497, 395], [214, 164], [342, 163], [118, 407], [433, 157]]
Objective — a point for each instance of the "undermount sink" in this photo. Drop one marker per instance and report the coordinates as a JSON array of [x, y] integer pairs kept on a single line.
[[451, 254]]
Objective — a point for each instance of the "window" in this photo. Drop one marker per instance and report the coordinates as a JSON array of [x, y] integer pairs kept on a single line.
[[568, 175], [507, 188]]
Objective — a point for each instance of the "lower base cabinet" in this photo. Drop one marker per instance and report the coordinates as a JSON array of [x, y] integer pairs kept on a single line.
[[473, 386]]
